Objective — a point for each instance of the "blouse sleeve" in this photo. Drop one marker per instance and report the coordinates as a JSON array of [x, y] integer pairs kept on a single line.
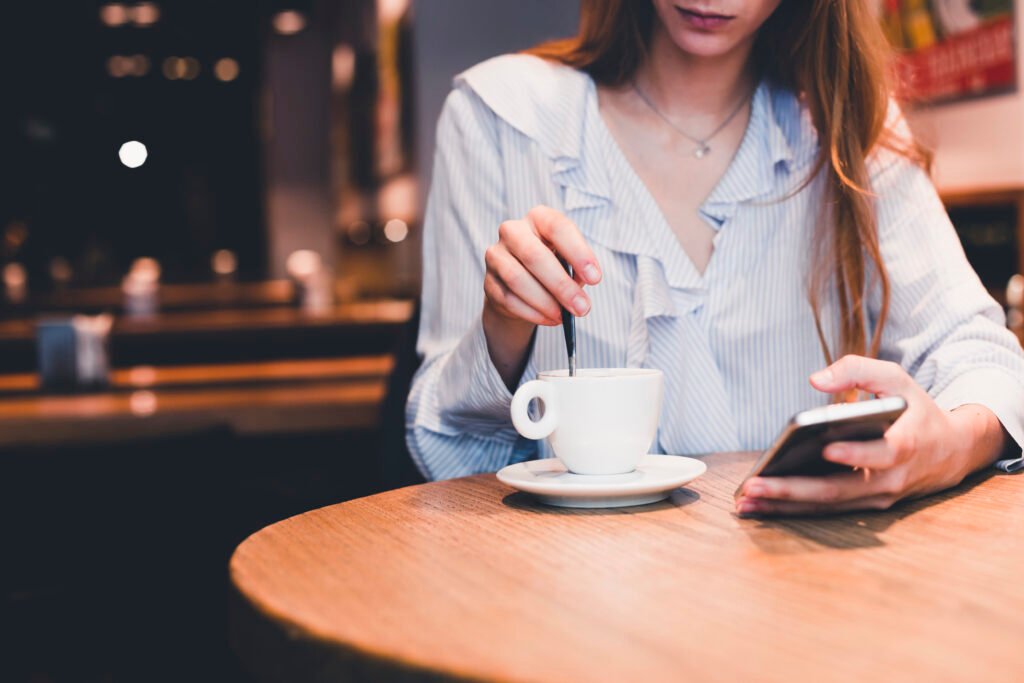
[[943, 327], [457, 416]]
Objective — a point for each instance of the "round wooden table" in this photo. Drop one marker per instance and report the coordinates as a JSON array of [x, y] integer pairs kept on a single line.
[[468, 579]]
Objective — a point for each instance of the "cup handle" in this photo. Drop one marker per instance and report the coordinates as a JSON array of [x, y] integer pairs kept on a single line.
[[531, 429]]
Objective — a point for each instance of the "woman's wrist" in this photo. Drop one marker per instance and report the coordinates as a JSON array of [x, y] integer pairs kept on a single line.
[[508, 344], [982, 436]]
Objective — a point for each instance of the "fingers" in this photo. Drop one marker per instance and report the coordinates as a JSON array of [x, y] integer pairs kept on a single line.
[[513, 277], [524, 276], [863, 489], [511, 305], [833, 489], [860, 490], [562, 234], [880, 454], [879, 377], [526, 246], [798, 508]]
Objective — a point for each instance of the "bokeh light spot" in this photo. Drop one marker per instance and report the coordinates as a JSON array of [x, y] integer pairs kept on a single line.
[[133, 154]]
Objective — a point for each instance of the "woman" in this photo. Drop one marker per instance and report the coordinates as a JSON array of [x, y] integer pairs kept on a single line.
[[741, 205]]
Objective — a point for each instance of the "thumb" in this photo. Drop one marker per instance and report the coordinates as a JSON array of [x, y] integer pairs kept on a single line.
[[866, 374]]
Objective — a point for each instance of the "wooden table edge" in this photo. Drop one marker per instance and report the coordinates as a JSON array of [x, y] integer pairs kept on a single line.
[[292, 646], [254, 627], [249, 617]]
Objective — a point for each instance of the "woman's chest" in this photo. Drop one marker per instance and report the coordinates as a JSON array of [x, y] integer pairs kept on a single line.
[[677, 183], [755, 279], [751, 299]]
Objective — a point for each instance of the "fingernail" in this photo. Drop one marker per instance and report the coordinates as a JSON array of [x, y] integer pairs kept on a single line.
[[756, 490], [823, 376], [747, 506], [591, 274], [580, 305]]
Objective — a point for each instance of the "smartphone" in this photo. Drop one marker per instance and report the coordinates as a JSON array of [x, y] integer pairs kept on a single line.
[[797, 450]]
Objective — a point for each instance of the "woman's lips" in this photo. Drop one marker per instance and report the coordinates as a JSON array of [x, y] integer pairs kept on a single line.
[[703, 21]]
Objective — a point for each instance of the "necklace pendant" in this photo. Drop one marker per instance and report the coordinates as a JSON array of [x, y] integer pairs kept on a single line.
[[702, 150]]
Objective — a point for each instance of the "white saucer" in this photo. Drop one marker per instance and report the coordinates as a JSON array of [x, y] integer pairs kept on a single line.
[[653, 480]]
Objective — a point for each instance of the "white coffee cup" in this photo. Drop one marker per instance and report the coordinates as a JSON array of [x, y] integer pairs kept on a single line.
[[598, 422]]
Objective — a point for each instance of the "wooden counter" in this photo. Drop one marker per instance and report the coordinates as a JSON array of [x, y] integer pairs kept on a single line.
[[228, 335], [249, 398]]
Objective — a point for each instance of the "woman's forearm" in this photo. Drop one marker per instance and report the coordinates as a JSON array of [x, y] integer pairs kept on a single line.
[[985, 439], [508, 343]]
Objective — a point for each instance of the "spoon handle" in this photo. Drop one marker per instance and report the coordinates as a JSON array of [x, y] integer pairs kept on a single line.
[[569, 327]]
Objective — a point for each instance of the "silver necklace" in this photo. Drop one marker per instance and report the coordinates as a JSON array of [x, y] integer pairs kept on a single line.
[[702, 149]]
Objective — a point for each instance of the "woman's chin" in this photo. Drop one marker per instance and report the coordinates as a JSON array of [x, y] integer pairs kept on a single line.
[[703, 44]]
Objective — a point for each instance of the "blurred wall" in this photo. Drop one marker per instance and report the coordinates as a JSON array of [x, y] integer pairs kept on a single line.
[[977, 143], [452, 35], [296, 144]]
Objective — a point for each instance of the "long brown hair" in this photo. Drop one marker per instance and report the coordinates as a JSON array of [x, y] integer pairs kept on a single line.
[[833, 55]]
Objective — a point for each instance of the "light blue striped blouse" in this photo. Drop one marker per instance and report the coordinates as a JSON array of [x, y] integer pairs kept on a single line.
[[737, 343]]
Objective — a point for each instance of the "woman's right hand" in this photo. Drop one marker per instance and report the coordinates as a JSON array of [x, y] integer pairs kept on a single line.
[[526, 286]]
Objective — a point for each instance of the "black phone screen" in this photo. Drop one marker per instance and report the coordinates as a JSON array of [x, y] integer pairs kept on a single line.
[[801, 452]]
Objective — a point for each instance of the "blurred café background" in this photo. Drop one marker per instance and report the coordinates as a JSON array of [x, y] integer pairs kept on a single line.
[[210, 224]]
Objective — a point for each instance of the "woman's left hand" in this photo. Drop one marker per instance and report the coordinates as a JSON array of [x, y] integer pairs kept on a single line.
[[926, 450]]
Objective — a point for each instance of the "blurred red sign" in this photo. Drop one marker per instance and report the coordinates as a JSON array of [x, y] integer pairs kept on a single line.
[[974, 62], [950, 49]]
